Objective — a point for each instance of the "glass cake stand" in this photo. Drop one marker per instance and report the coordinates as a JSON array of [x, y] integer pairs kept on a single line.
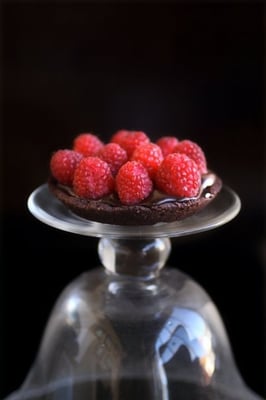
[[129, 328]]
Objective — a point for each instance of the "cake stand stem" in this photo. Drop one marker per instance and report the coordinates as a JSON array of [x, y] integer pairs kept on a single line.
[[139, 258]]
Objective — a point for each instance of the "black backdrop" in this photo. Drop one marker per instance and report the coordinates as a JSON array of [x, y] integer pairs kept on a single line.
[[189, 69]]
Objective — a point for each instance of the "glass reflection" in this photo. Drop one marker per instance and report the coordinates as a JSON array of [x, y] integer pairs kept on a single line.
[[187, 328]]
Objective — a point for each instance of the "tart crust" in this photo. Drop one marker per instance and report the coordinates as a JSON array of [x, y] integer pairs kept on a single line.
[[157, 208]]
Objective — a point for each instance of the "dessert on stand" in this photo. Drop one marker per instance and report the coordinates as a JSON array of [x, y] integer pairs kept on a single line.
[[133, 327]]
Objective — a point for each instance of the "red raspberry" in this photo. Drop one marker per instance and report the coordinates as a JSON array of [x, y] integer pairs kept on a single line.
[[150, 155], [194, 151], [167, 144], [87, 144], [63, 163], [133, 183], [93, 178], [119, 136], [114, 155], [129, 140], [178, 175]]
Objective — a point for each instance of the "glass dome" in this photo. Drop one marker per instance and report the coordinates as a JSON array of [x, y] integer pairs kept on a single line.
[[134, 327]]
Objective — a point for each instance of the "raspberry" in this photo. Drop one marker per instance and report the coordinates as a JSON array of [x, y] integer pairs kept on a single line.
[[133, 183], [150, 155], [129, 140], [114, 155], [87, 144], [178, 175], [93, 178], [119, 136], [167, 144], [194, 151], [63, 163]]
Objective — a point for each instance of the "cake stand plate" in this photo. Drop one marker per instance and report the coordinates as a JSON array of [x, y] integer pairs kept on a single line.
[[49, 210]]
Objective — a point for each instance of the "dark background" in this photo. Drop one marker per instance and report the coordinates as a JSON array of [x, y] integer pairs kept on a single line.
[[193, 70]]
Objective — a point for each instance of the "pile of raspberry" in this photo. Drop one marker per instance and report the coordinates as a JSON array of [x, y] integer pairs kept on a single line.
[[130, 166]]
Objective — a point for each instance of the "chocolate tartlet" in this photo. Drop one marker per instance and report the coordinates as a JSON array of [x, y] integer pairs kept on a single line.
[[159, 206]]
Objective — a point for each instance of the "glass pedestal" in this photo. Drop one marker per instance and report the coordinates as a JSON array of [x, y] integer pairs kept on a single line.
[[134, 327]]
